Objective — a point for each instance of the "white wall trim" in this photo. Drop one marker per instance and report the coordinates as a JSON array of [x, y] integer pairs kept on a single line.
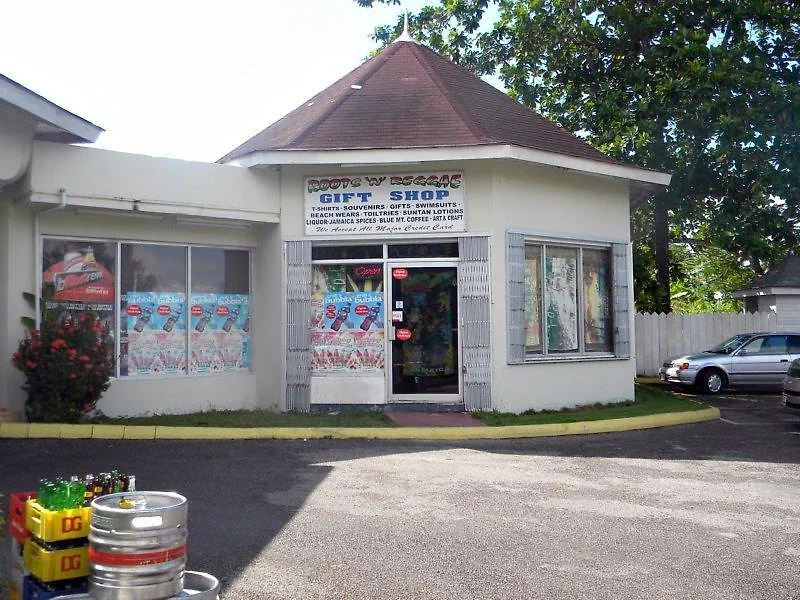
[[134, 207], [769, 291], [411, 156]]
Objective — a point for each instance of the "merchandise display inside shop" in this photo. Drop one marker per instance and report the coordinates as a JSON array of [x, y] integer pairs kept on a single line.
[[171, 309]]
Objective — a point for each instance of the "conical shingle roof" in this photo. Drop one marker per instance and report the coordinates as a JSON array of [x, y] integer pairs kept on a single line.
[[410, 97]]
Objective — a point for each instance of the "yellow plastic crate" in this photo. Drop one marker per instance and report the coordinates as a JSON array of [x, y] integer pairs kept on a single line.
[[57, 525], [55, 565]]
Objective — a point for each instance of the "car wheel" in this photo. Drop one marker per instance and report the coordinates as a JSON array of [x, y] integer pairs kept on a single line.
[[711, 381]]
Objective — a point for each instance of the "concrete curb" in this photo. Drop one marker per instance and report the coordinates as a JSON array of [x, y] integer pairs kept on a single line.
[[139, 432]]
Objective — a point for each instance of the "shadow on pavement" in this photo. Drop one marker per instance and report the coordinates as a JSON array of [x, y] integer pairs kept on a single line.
[[242, 493]]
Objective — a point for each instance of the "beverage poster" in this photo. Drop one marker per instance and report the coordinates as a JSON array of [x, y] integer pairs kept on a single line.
[[76, 271], [348, 334], [220, 329], [78, 277], [155, 327]]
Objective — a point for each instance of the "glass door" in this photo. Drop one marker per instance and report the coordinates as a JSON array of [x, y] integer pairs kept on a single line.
[[424, 346]]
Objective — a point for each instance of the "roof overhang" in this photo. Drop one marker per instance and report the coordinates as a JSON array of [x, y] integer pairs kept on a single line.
[[52, 123], [767, 291], [391, 156]]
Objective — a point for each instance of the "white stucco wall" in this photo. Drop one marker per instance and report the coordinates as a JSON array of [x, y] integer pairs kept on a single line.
[[180, 394], [502, 196], [103, 179], [555, 202]]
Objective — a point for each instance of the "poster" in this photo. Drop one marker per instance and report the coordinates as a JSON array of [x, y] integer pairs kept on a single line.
[[597, 298], [347, 334], [220, 332], [533, 300], [562, 300], [78, 277], [155, 334], [381, 204]]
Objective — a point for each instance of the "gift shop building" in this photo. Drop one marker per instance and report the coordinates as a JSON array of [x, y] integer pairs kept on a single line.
[[409, 236]]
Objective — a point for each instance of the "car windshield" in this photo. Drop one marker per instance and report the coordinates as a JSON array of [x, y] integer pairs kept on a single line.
[[730, 344]]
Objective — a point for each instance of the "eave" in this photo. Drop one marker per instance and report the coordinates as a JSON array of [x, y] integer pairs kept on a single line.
[[52, 123], [393, 156]]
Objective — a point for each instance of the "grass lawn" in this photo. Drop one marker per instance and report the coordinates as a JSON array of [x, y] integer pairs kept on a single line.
[[649, 401], [262, 418]]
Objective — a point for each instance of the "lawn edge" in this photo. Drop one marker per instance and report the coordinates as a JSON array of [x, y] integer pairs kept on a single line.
[[39, 430]]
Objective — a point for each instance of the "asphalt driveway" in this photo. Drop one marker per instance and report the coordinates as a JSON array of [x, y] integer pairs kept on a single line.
[[710, 510]]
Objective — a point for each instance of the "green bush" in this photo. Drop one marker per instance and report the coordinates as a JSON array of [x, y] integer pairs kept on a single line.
[[67, 365]]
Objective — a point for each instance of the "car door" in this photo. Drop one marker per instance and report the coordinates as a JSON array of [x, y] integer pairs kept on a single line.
[[763, 361]]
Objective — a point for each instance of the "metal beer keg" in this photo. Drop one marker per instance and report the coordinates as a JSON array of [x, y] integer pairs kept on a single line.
[[137, 546]]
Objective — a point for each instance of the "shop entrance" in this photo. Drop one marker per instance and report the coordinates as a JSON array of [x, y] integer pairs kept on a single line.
[[424, 347]]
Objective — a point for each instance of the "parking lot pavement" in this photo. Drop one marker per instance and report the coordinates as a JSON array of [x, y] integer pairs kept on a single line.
[[710, 510], [749, 407]]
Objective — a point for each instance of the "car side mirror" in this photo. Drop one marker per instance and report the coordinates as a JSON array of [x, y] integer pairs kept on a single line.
[[743, 352]]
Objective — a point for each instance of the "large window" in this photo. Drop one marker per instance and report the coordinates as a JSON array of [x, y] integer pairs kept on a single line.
[[182, 309], [562, 299]]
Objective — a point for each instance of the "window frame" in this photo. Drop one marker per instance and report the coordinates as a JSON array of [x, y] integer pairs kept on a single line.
[[118, 242], [518, 244]]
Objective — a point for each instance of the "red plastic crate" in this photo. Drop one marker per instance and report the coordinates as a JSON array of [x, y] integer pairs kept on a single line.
[[17, 526]]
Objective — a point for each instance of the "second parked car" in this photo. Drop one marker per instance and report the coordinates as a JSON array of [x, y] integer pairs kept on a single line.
[[746, 359]]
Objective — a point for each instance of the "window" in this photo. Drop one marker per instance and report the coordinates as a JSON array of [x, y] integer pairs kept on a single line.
[[773, 344], [78, 276], [562, 299], [157, 312], [346, 321]]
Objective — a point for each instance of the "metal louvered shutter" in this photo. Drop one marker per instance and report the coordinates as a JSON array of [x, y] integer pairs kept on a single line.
[[474, 291], [515, 264], [622, 328], [298, 308]]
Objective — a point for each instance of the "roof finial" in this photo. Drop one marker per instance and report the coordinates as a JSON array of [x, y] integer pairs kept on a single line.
[[405, 36]]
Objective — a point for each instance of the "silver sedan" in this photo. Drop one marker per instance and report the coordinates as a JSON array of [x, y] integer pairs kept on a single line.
[[746, 359]]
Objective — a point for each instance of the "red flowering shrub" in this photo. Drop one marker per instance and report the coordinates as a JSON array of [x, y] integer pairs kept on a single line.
[[67, 367]]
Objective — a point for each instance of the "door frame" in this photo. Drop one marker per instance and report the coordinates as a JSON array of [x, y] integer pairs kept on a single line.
[[392, 398]]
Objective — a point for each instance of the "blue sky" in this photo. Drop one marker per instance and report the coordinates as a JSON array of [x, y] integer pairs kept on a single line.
[[184, 79]]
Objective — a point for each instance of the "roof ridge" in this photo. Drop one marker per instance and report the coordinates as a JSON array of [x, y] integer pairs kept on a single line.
[[455, 102], [379, 60]]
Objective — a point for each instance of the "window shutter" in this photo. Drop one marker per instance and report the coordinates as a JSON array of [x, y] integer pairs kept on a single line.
[[622, 326], [298, 309], [476, 340], [515, 292]]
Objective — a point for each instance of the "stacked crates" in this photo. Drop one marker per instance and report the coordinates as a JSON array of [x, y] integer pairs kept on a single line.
[[56, 554], [18, 530]]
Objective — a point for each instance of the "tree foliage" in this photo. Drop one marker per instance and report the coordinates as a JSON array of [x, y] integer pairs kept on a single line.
[[708, 90]]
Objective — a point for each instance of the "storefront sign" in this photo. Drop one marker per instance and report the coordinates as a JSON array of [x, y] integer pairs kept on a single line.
[[382, 204]]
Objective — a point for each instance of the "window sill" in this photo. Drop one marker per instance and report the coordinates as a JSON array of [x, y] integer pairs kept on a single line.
[[572, 358]]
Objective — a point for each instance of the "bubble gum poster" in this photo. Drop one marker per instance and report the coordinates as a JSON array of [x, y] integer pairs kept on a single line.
[[362, 311], [156, 329], [220, 328], [349, 338]]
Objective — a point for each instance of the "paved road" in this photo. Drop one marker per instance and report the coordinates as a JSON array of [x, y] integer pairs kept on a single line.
[[708, 511]]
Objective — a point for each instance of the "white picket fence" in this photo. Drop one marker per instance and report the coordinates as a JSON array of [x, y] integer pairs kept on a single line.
[[659, 336]]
